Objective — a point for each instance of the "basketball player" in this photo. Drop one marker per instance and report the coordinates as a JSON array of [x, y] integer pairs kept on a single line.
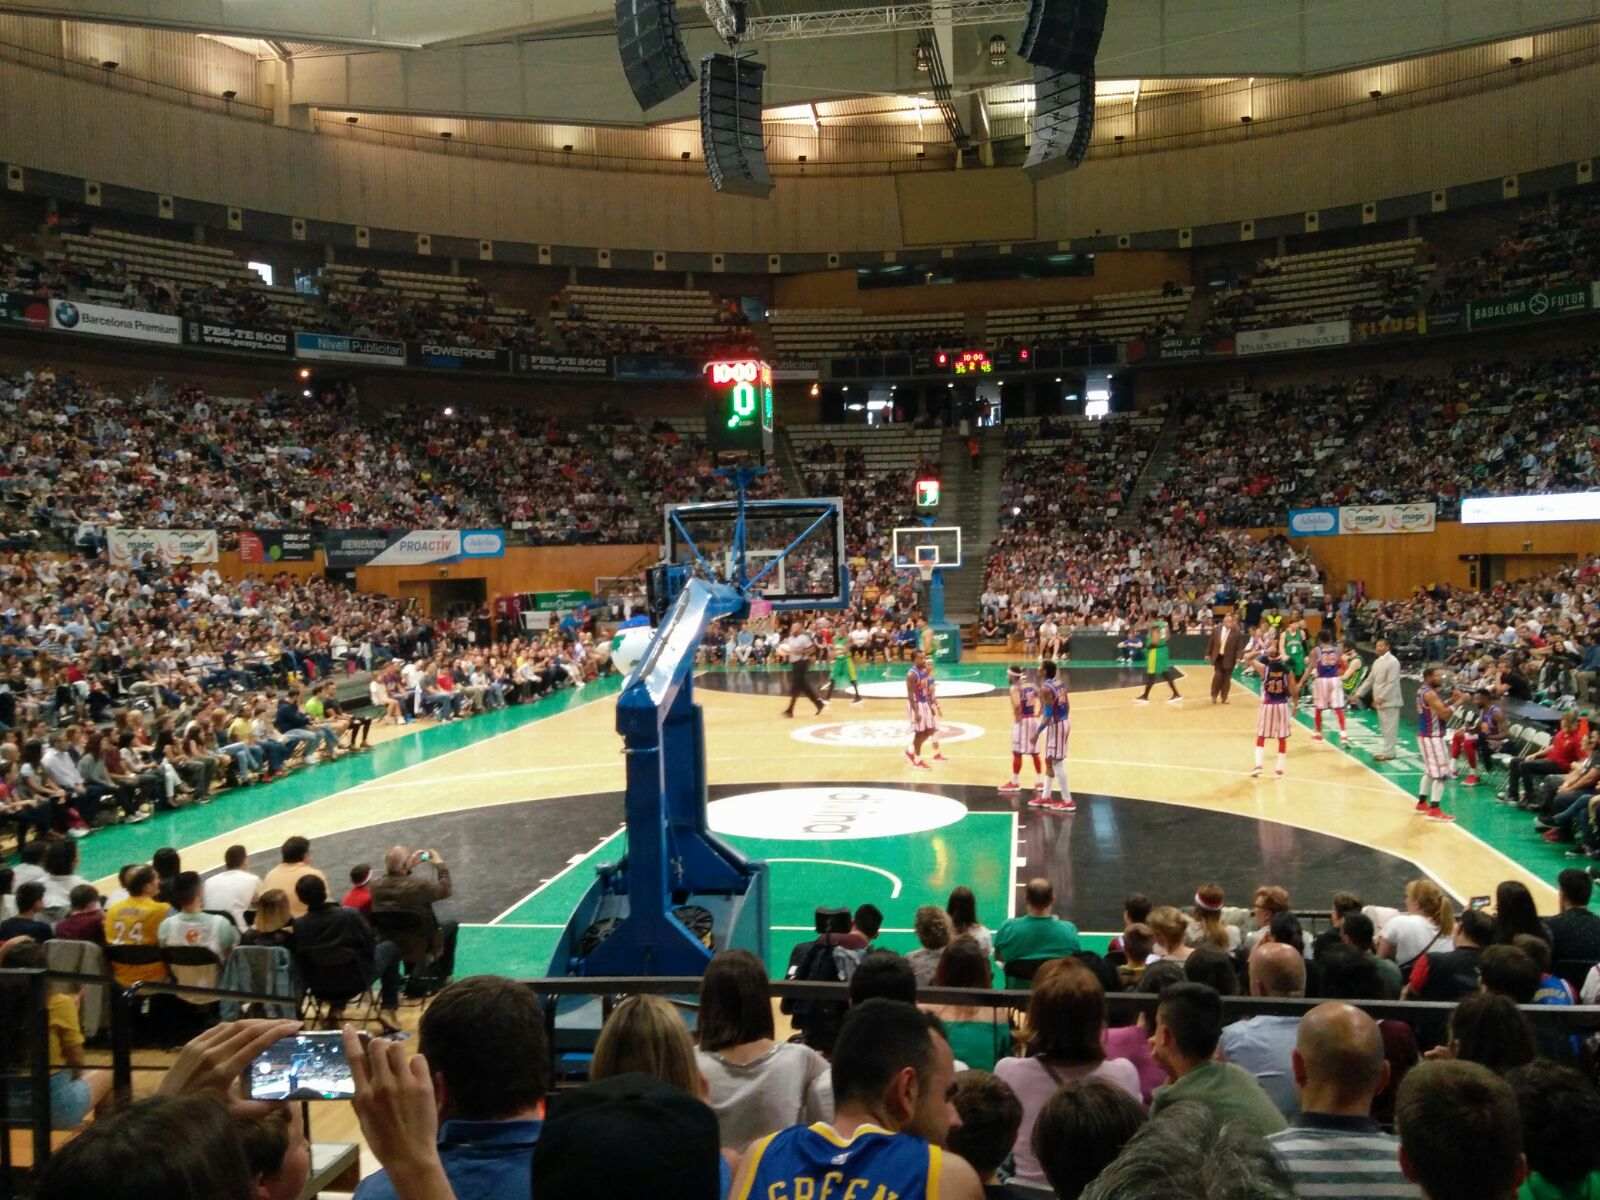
[[843, 668], [1484, 734], [1292, 649], [1156, 665], [1433, 714], [1327, 689], [938, 711], [919, 710], [1056, 725], [1279, 686], [798, 649], [1024, 730]]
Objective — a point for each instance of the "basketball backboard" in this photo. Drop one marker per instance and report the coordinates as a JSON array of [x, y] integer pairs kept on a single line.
[[794, 548], [924, 545]]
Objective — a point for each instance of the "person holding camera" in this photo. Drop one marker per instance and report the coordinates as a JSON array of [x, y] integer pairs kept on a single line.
[[422, 936]]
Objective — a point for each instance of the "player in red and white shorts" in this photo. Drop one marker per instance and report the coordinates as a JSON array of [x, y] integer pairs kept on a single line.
[[1056, 728], [1327, 685], [1024, 729], [920, 712], [1275, 719], [1433, 714]]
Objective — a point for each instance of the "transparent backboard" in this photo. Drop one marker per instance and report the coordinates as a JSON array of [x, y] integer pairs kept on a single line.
[[794, 549], [927, 545]]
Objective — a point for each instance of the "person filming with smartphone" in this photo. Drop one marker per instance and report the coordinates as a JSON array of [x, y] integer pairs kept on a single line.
[[403, 913]]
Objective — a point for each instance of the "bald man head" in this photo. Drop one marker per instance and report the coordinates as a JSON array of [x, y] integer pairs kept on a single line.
[[1277, 969], [397, 860], [1338, 1060]]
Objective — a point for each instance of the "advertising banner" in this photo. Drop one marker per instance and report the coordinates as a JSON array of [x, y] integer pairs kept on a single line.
[[127, 547], [337, 347], [276, 545], [1388, 518], [14, 308], [653, 367], [1559, 506], [410, 547], [1544, 305], [71, 316], [1387, 328], [439, 357], [1292, 337], [561, 364], [1446, 320], [232, 337], [1313, 522], [1180, 349], [555, 601]]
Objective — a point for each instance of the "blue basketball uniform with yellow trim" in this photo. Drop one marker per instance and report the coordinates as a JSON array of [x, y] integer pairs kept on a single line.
[[813, 1162]]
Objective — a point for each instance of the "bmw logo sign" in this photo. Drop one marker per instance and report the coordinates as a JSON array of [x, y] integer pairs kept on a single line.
[[67, 314]]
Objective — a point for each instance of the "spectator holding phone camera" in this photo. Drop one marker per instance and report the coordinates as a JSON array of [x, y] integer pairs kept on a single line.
[[401, 890]]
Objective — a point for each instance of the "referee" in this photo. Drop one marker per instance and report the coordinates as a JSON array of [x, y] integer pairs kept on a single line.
[[798, 648]]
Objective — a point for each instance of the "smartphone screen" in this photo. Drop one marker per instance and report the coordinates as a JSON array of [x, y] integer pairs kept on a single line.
[[1478, 902], [307, 1066]]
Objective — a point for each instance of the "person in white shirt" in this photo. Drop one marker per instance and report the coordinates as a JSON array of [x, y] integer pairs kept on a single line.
[[187, 925], [232, 890]]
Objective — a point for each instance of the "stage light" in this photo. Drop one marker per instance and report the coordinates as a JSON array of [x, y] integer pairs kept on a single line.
[[305, 372], [306, 393], [449, 411]]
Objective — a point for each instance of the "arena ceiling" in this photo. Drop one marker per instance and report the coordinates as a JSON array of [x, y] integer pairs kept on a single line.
[[556, 60]]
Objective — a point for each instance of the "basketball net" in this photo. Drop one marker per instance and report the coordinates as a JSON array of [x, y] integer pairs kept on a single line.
[[926, 570]]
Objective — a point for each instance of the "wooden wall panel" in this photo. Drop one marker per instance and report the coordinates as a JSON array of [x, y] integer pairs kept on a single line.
[[1394, 565]]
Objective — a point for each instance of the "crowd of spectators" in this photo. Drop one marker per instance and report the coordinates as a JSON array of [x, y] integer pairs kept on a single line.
[[583, 334], [1555, 244], [1482, 429], [1244, 305]]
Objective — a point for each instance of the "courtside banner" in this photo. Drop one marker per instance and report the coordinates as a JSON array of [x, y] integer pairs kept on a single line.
[[1388, 518], [276, 545], [1556, 506], [70, 316], [209, 336], [1292, 337], [128, 547], [1313, 522], [562, 364], [337, 347], [439, 357], [1545, 305], [410, 547]]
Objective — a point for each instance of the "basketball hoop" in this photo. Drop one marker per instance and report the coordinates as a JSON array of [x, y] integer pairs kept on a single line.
[[926, 570]]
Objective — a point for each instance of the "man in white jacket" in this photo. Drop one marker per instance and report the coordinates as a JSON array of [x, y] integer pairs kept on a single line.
[[1383, 683]]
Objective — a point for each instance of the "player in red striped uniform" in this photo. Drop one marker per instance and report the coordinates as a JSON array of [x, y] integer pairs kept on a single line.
[[1433, 714], [1275, 718], [1024, 729], [919, 709], [1327, 688], [1056, 727]]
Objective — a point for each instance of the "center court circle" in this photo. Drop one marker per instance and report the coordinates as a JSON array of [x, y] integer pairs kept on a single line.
[[878, 735], [832, 813], [948, 689]]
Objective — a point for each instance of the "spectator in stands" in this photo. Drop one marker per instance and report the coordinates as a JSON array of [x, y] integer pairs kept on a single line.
[[978, 1036], [1460, 1133], [296, 865], [485, 1042], [1574, 930], [136, 921], [885, 975], [86, 921], [1265, 1045], [201, 1156], [326, 925], [1560, 1113], [1333, 1146], [932, 928], [1488, 1029], [1559, 757], [188, 925], [1355, 931], [1066, 1025], [1451, 974], [30, 919], [962, 909], [1080, 1131], [402, 906], [1193, 1154], [644, 1035], [1038, 935], [989, 1115], [273, 925], [754, 1083], [276, 1150], [73, 1090], [1426, 926], [61, 875], [1171, 930], [892, 1080], [233, 890], [359, 897], [1188, 1028]]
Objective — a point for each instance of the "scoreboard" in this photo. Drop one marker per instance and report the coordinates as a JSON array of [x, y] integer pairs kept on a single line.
[[740, 418]]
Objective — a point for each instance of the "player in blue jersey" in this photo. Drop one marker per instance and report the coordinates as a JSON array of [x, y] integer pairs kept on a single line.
[[893, 1081], [1327, 687], [1055, 724], [1275, 719], [921, 713], [1025, 708], [1433, 714]]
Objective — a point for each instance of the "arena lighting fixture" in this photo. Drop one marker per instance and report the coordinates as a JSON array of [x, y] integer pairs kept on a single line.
[[306, 393], [998, 50], [922, 59], [305, 372], [449, 411], [1058, 379], [816, 389]]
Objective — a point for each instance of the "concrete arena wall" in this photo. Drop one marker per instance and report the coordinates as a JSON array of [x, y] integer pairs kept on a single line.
[[57, 124]]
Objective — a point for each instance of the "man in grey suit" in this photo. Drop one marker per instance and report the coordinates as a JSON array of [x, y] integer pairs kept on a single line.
[[1223, 653], [1383, 684]]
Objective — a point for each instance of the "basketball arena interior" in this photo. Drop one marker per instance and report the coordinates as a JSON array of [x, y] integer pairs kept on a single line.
[[764, 599]]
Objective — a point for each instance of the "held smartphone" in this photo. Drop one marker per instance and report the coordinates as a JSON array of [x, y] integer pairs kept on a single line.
[[307, 1066], [1478, 902], [424, 856]]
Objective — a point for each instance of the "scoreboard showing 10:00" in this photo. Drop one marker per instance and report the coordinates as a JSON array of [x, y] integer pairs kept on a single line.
[[741, 414]]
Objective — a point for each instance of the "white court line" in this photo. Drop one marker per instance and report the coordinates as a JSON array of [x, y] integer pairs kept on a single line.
[[572, 863], [381, 785], [840, 862], [507, 925]]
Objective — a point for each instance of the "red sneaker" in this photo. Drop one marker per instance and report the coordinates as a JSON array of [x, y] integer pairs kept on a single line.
[[1471, 780], [1422, 806], [1063, 805], [1011, 785], [1039, 800], [1438, 814], [1552, 835], [940, 758], [920, 765]]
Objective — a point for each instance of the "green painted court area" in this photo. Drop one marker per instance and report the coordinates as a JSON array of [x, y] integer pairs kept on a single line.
[[898, 874]]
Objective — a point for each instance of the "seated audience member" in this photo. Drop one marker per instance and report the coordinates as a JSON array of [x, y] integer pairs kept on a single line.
[[1344, 904], [201, 1155], [1210, 966], [401, 890], [988, 1114], [61, 875], [1038, 935], [1560, 1111], [1264, 1045], [1081, 1129], [359, 897], [232, 890], [29, 921], [1333, 1146], [273, 926], [1356, 931], [645, 1035], [1132, 1042], [1171, 929], [1452, 974], [188, 925], [275, 1148], [1489, 1030], [30, 868], [756, 1083], [325, 925], [978, 1036], [1460, 1133], [86, 921], [136, 921], [1509, 971], [1206, 926], [295, 865], [1066, 1021], [624, 1136], [168, 865], [893, 1076], [1138, 943], [1574, 930], [73, 1090], [1267, 902], [1424, 928], [883, 974], [1189, 1154], [1347, 974], [485, 1042], [1188, 1027], [932, 928], [962, 909]]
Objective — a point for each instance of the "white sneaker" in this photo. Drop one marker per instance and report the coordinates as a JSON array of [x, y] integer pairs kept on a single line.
[[1140, 700], [1176, 700]]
